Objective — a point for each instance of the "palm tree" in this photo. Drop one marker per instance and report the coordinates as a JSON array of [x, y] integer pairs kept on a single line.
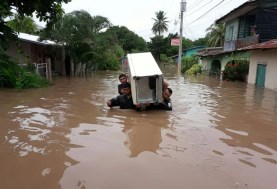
[[215, 35], [81, 37], [160, 24]]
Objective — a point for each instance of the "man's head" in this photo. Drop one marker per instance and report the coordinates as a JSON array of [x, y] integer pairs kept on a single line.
[[122, 78], [126, 87], [167, 93]]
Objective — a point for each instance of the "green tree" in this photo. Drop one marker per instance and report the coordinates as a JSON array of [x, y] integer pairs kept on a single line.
[[129, 41], [201, 42], [80, 35], [188, 62], [107, 52], [160, 24], [171, 50], [158, 46], [187, 43], [23, 24], [215, 35]]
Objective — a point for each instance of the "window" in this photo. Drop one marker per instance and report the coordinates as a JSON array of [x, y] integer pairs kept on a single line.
[[231, 33]]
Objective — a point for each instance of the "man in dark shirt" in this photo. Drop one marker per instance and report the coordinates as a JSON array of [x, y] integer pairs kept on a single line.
[[123, 79], [164, 105], [124, 101]]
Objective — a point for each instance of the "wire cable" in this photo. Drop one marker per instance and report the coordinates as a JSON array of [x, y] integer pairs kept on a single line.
[[207, 11]]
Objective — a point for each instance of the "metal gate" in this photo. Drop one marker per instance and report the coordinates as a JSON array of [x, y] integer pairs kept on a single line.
[[42, 69]]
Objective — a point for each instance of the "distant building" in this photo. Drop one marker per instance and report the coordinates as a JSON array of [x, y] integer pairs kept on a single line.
[[188, 52], [250, 24], [263, 65], [29, 49]]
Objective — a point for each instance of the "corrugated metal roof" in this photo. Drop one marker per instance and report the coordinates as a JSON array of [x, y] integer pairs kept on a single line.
[[210, 51], [272, 44], [34, 39]]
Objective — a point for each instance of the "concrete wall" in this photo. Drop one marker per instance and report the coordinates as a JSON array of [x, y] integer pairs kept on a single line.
[[15, 54], [224, 59], [26, 52], [268, 57], [33, 53]]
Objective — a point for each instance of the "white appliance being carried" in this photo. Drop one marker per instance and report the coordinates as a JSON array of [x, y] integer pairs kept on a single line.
[[145, 77]]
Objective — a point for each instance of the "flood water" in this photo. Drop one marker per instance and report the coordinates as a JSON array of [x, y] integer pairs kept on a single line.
[[220, 135]]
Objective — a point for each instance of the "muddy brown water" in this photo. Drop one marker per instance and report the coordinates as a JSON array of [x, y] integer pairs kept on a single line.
[[220, 135]]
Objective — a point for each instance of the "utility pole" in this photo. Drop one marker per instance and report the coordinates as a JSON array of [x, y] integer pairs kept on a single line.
[[183, 9]]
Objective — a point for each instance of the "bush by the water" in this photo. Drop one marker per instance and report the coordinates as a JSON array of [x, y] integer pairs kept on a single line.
[[194, 70], [236, 70], [166, 59], [188, 62], [14, 76]]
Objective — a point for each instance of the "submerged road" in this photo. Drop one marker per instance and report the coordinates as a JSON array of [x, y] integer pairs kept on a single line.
[[220, 135]]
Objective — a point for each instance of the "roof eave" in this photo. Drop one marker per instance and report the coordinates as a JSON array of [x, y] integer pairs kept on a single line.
[[239, 11]]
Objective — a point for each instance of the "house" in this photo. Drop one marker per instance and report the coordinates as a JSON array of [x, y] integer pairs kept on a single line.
[[192, 51], [263, 64], [188, 52], [207, 59], [41, 53], [252, 23]]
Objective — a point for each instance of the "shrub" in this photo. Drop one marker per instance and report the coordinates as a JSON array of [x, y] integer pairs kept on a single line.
[[14, 76], [236, 70], [195, 69], [107, 61], [166, 59], [188, 62]]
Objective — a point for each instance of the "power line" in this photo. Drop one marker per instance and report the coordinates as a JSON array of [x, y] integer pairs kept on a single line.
[[199, 8], [194, 5], [207, 11], [212, 19], [190, 30]]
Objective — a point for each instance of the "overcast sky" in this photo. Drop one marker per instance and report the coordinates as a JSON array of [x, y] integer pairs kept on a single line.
[[137, 15]]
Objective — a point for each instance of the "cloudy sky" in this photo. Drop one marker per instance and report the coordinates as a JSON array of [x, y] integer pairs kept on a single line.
[[137, 15]]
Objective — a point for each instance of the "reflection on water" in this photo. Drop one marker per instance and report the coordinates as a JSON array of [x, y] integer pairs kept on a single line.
[[219, 135]]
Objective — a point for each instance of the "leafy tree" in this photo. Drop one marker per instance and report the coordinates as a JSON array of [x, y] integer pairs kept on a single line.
[[187, 43], [188, 62], [160, 24], [215, 35], [107, 52], [158, 46], [77, 32], [201, 42], [23, 24], [99, 23], [171, 50], [129, 41]]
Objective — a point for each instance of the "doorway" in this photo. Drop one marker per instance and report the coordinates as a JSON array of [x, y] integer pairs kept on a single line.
[[260, 76]]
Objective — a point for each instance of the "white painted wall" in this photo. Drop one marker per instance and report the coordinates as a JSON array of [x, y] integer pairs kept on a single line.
[[269, 57]]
